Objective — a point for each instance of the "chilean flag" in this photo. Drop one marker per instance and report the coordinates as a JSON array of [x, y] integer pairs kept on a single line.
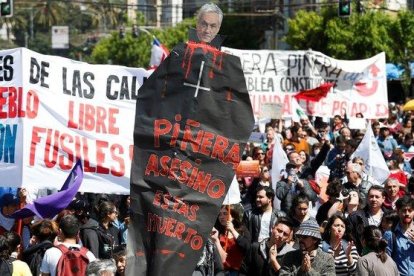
[[314, 95], [158, 53]]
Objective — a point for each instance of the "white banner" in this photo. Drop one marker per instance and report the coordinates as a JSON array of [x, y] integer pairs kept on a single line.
[[55, 110], [275, 76]]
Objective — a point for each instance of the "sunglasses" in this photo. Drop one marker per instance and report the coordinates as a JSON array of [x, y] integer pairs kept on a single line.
[[260, 153]]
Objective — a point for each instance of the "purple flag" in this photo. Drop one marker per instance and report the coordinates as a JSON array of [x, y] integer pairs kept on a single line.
[[49, 206]]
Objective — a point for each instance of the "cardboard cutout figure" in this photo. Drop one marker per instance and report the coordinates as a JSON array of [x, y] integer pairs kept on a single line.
[[193, 118]]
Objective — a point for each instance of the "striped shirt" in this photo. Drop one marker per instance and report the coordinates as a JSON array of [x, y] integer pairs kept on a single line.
[[341, 261]]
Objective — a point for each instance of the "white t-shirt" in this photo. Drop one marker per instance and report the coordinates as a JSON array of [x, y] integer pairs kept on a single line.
[[52, 256], [265, 226]]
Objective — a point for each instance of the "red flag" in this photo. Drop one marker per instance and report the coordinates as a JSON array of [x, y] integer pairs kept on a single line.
[[314, 95]]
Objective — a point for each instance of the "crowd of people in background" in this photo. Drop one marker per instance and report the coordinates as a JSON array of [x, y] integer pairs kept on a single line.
[[363, 227]]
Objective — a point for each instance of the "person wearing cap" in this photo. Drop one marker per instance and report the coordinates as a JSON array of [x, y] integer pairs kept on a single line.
[[386, 142], [309, 259], [9, 204], [354, 175]]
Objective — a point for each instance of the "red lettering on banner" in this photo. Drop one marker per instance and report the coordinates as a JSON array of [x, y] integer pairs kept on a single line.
[[203, 142], [62, 149], [172, 228], [14, 103], [93, 118], [179, 170]]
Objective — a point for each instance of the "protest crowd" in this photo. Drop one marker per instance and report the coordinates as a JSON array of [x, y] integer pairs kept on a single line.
[[355, 225], [315, 206]]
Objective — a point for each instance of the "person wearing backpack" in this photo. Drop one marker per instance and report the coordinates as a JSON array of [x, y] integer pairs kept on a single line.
[[44, 234], [67, 258], [10, 266]]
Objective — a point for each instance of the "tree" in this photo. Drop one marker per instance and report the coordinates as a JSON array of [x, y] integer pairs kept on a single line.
[[356, 37], [135, 52]]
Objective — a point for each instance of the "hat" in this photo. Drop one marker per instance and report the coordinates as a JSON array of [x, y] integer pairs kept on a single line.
[[309, 228], [9, 199]]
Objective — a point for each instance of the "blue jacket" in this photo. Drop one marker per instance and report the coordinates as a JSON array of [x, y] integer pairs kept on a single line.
[[401, 249]]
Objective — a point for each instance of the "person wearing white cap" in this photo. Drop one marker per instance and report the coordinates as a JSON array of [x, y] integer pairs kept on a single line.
[[309, 259]]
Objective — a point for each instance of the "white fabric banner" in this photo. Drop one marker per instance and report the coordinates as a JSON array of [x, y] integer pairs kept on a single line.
[[55, 110], [275, 76], [368, 149]]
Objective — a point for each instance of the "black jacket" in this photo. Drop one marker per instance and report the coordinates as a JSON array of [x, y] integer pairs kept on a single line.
[[89, 237], [252, 220]]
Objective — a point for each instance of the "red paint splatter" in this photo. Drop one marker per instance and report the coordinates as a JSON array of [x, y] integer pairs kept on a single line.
[[189, 52], [139, 253], [168, 252], [229, 95]]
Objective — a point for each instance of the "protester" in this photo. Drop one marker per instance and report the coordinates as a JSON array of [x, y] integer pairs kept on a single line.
[[337, 241], [309, 259], [400, 239], [355, 182], [333, 191], [88, 226], [210, 262], [120, 260], [386, 142], [44, 235], [9, 248], [392, 187], [108, 233], [260, 220], [68, 232], [370, 215], [374, 260], [8, 204], [234, 238], [265, 257], [101, 268], [291, 185], [299, 211]]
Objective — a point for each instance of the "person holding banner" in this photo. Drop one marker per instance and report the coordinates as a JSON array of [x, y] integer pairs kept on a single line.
[[234, 238]]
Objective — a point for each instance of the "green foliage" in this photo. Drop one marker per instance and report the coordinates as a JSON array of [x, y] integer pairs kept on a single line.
[[136, 52], [356, 37]]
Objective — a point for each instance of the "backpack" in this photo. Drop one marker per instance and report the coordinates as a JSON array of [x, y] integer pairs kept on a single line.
[[6, 267], [73, 261], [106, 243], [37, 257]]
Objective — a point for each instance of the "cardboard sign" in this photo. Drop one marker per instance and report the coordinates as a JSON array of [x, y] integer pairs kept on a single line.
[[271, 110], [248, 168]]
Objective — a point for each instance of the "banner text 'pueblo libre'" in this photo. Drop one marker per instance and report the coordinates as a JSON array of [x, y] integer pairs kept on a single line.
[[63, 149], [190, 139], [275, 76], [66, 110]]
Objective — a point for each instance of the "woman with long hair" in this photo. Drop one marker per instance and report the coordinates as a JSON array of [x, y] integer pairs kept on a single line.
[[259, 154], [234, 238], [299, 211], [336, 241], [374, 260]]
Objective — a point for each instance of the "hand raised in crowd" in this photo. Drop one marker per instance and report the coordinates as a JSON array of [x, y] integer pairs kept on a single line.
[[214, 235], [306, 263], [348, 251], [230, 226], [273, 252]]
